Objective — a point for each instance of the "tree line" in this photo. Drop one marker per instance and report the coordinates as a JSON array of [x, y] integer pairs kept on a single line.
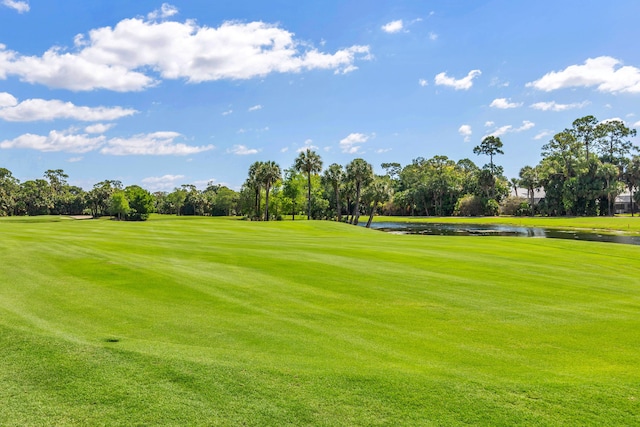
[[582, 171]]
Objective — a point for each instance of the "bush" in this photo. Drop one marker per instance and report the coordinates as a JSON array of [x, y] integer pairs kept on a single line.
[[469, 205], [492, 208], [515, 206]]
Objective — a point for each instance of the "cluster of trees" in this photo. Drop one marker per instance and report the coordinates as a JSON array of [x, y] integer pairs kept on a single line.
[[436, 186], [54, 196], [583, 169], [188, 200]]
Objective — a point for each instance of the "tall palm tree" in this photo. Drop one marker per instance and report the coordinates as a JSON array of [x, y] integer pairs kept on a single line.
[[334, 176], [379, 192], [360, 173], [254, 182], [268, 173], [514, 184], [529, 178], [632, 177], [308, 162]]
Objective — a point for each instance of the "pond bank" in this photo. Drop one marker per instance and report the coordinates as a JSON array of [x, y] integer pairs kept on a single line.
[[609, 225], [451, 229]]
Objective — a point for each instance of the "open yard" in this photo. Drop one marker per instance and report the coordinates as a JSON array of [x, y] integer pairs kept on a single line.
[[205, 321]]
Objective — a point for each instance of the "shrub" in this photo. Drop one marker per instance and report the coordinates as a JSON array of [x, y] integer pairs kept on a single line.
[[515, 206], [492, 208], [469, 205]]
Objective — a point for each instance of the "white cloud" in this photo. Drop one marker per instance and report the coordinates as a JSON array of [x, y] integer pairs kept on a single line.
[[383, 150], [465, 130], [489, 123], [98, 128], [464, 83], [498, 83], [554, 106], [393, 26], [284, 150], [636, 124], [65, 141], [542, 134], [40, 109], [202, 184], [226, 113], [423, 82], [242, 150], [504, 104], [155, 144], [7, 100], [612, 119], [501, 131], [433, 36], [348, 144], [307, 144], [162, 183], [19, 6], [71, 71], [75, 159], [255, 108], [132, 55], [526, 125], [604, 72], [165, 11]]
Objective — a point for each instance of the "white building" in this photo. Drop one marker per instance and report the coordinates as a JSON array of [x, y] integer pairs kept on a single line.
[[622, 202]]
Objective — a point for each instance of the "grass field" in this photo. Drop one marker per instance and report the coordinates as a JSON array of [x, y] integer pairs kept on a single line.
[[204, 321], [617, 224]]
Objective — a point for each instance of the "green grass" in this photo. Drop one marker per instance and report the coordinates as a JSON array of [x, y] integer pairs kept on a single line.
[[204, 321], [617, 224]]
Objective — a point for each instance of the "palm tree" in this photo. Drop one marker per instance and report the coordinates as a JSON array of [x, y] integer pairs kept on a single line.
[[610, 173], [253, 182], [529, 178], [514, 184], [308, 162], [379, 192], [268, 173], [632, 177], [360, 173], [334, 176]]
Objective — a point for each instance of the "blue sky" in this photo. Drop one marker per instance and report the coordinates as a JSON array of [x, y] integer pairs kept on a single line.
[[187, 92]]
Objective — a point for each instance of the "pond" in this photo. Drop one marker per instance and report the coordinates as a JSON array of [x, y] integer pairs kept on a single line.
[[500, 230]]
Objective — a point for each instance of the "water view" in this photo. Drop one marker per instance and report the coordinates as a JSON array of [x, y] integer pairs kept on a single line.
[[500, 230]]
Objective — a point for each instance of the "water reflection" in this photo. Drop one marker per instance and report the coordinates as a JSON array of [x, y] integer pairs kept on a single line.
[[499, 230]]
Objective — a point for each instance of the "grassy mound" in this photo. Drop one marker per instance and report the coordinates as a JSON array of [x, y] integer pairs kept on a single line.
[[203, 321]]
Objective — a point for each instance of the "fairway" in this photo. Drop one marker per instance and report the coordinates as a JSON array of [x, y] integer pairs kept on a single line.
[[217, 321]]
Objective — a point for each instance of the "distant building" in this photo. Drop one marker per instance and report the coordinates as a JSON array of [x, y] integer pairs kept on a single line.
[[538, 194], [622, 202]]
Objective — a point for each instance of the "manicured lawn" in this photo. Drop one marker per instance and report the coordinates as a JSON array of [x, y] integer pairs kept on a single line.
[[205, 321], [625, 224]]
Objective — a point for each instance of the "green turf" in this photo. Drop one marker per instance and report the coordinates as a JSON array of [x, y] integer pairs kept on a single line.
[[204, 321], [617, 224]]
